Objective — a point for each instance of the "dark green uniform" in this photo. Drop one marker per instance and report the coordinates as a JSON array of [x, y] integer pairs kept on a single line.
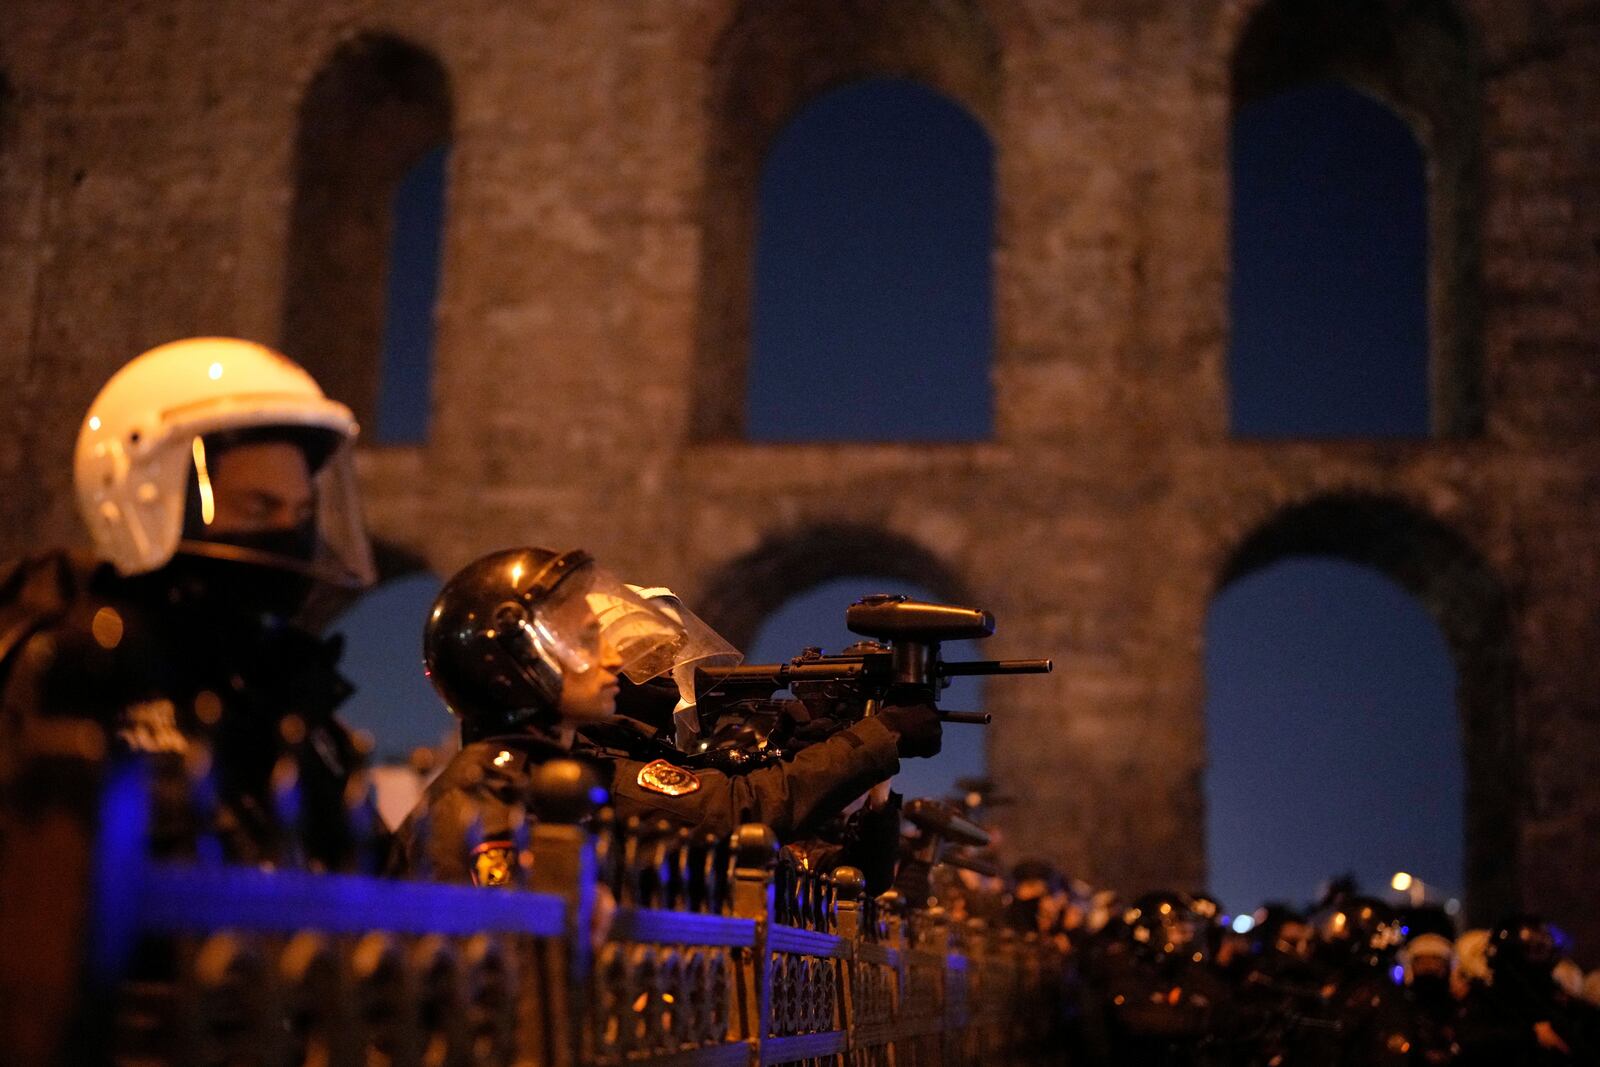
[[466, 826]]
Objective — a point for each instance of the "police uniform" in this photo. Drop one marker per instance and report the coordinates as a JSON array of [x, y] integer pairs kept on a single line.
[[467, 825], [235, 715]]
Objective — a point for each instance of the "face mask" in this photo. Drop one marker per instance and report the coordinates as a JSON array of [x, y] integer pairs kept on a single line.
[[1431, 988], [294, 544], [267, 581]]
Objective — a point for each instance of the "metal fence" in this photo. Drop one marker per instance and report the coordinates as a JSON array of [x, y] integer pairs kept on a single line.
[[626, 944]]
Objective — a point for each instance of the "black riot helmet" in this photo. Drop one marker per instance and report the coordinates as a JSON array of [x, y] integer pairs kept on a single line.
[[509, 629], [1208, 912], [1206, 907], [1162, 926], [1523, 948], [1357, 931]]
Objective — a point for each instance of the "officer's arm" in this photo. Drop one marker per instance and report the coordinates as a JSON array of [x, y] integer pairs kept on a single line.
[[821, 779], [456, 825]]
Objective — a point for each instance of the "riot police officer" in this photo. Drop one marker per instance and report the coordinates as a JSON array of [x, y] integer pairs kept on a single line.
[[1521, 1016], [215, 479], [1164, 1005], [524, 647], [1416, 1024]]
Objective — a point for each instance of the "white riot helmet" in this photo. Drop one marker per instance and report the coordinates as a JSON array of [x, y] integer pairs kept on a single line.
[[143, 444]]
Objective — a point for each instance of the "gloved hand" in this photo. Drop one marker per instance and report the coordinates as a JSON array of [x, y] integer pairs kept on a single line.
[[916, 727]]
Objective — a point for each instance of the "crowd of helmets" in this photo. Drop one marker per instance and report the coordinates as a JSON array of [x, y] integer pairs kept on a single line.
[[1172, 978]]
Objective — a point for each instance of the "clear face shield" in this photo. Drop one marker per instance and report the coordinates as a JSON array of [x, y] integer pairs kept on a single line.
[[589, 617], [343, 551], [666, 640], [285, 499]]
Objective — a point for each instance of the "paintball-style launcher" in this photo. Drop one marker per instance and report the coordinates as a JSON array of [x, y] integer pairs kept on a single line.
[[898, 663]]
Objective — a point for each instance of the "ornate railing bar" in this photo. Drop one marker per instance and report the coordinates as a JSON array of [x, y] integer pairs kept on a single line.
[[175, 899]]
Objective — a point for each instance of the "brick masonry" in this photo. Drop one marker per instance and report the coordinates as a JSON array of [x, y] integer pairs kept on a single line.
[[591, 340]]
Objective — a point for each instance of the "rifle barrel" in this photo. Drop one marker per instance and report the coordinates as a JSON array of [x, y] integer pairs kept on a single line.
[[972, 718], [969, 668], [784, 673]]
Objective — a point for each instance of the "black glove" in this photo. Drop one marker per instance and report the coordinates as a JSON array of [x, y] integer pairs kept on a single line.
[[916, 728]]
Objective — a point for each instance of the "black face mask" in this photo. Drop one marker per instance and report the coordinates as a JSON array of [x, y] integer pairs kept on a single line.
[[292, 544], [651, 702], [1431, 989], [271, 575]]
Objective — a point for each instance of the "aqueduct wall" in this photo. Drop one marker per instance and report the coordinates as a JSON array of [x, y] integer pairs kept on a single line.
[[153, 184]]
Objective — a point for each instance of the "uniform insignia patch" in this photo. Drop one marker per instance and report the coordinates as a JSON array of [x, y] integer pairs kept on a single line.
[[492, 862], [662, 777], [152, 726]]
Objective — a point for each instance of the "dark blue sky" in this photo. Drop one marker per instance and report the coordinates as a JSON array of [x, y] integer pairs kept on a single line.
[[1332, 735], [872, 316], [1333, 742], [411, 290], [1328, 313]]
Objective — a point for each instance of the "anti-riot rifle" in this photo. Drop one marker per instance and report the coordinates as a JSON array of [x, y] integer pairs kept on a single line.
[[742, 720]]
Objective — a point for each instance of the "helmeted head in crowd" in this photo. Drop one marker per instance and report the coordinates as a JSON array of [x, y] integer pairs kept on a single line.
[[1163, 927], [223, 459], [1428, 962], [528, 637], [1357, 931], [1523, 949]]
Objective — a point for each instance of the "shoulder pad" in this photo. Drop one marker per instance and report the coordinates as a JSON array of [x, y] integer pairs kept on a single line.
[[37, 592]]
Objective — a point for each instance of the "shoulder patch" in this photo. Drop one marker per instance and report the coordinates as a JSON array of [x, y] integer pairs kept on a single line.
[[492, 863], [152, 726], [662, 777]]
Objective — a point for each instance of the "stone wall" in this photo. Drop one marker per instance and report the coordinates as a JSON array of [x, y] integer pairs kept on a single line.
[[591, 332]]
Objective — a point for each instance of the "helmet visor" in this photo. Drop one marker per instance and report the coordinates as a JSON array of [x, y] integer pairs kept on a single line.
[[343, 554], [587, 613], [329, 546], [692, 644]]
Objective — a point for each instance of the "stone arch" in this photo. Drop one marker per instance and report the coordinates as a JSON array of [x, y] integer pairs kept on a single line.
[[374, 108], [1421, 61], [741, 593], [1473, 609], [770, 61]]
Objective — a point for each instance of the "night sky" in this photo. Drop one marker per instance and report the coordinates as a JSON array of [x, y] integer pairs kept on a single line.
[[1333, 740]]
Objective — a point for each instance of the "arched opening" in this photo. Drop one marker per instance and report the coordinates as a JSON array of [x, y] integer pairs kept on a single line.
[[364, 242], [1329, 283], [872, 306], [792, 591], [1321, 594], [405, 378], [774, 59], [1419, 60], [1333, 741]]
